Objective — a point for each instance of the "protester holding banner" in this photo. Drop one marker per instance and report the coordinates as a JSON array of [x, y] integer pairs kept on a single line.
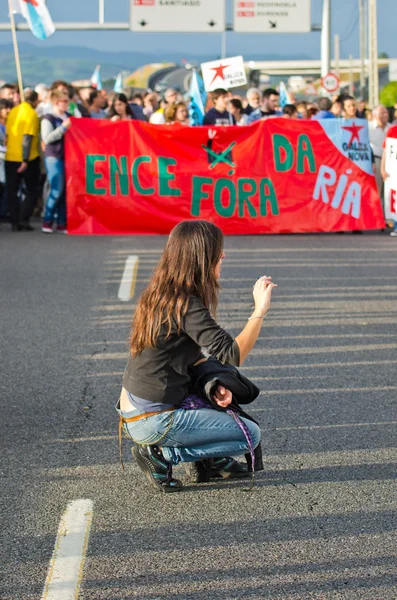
[[120, 109], [290, 112], [236, 109], [177, 113], [325, 106], [170, 97], [97, 102], [337, 108], [349, 107], [302, 110], [269, 104], [389, 174], [219, 115], [253, 100], [377, 134], [53, 128], [150, 104], [173, 321]]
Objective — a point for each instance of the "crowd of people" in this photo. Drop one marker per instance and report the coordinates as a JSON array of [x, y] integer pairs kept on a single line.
[[32, 161]]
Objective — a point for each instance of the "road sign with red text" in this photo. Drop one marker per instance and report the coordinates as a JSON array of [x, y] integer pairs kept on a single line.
[[198, 16]]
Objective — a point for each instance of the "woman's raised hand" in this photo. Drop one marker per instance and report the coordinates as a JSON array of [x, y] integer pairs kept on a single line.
[[262, 293]]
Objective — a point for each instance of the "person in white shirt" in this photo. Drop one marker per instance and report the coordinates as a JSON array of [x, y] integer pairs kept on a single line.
[[170, 97], [236, 109], [378, 128]]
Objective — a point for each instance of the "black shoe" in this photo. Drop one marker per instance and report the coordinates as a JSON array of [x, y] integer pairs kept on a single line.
[[27, 227], [228, 468], [158, 471], [200, 471], [16, 227]]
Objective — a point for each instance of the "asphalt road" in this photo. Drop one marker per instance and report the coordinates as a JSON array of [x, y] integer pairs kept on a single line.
[[321, 521]]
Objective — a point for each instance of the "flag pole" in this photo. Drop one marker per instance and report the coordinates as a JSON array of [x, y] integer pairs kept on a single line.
[[16, 51]]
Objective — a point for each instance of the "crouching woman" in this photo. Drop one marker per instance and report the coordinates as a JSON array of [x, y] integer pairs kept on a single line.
[[173, 321]]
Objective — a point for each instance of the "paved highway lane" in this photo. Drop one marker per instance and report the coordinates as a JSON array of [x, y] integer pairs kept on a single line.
[[321, 521]]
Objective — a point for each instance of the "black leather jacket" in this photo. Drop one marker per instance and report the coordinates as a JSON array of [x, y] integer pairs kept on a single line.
[[208, 375]]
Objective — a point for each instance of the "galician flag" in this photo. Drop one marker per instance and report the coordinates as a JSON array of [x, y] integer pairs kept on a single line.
[[118, 85], [198, 97], [96, 80], [37, 15], [285, 98]]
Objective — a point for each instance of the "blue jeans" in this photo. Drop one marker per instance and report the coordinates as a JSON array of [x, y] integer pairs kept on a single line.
[[56, 200], [190, 435]]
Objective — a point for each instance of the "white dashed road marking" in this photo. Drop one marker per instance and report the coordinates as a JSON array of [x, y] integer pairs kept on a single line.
[[66, 566], [128, 281]]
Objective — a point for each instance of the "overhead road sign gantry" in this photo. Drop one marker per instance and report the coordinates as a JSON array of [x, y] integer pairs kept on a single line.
[[262, 16], [179, 16]]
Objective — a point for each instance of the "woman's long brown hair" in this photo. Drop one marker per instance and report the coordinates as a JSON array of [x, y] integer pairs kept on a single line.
[[186, 268]]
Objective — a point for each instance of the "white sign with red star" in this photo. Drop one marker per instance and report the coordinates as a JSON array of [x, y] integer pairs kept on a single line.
[[330, 82], [226, 73], [178, 16]]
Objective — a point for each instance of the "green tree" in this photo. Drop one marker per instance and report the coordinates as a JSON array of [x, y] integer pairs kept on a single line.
[[388, 95], [383, 55]]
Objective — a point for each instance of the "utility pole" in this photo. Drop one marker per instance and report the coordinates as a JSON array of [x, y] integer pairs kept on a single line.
[[337, 54], [101, 8], [362, 48], [326, 39], [223, 44], [351, 76], [373, 55]]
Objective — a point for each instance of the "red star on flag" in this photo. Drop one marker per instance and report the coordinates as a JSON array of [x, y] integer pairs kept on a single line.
[[219, 72], [354, 130], [34, 2]]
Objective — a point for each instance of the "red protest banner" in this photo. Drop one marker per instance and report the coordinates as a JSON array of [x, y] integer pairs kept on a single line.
[[277, 176]]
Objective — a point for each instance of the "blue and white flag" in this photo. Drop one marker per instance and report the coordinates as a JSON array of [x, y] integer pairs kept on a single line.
[[284, 95], [96, 80], [118, 85], [198, 99], [37, 15]]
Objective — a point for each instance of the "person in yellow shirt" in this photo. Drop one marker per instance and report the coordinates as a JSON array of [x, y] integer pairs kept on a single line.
[[22, 160]]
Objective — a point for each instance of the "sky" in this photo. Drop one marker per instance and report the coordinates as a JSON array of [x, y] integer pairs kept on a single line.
[[344, 22]]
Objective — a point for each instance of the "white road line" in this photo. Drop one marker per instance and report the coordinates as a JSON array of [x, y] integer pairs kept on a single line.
[[128, 281], [66, 566]]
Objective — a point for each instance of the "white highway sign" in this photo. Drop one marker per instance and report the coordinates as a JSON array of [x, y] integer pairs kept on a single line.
[[265, 16], [178, 16]]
